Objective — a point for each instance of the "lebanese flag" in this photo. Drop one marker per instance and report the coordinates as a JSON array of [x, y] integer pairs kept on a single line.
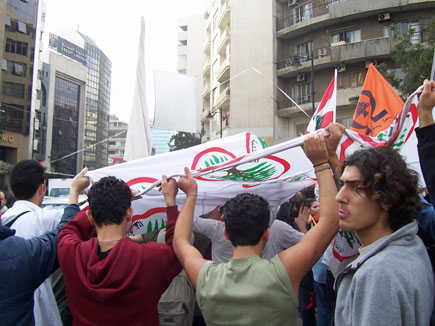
[[325, 113]]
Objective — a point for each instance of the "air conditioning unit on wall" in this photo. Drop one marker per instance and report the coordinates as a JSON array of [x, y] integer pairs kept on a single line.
[[300, 77], [384, 17], [341, 67]]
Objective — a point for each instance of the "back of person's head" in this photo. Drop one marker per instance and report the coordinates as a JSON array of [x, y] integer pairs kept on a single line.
[[308, 192], [109, 200], [309, 202], [246, 218], [297, 201], [284, 212], [387, 180], [26, 177]]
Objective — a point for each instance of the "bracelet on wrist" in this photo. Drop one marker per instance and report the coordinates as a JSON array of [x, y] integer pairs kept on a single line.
[[322, 168], [316, 165]]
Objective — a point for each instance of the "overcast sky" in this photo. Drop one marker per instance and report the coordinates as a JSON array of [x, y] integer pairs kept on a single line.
[[115, 25]]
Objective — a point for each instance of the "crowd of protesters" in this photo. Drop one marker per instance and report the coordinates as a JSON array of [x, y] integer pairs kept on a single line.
[[245, 266]]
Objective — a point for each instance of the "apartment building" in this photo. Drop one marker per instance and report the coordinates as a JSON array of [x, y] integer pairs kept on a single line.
[[239, 39], [314, 37]]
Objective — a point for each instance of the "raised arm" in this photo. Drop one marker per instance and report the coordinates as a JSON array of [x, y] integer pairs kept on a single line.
[[189, 257], [335, 132], [299, 259], [169, 190], [426, 136]]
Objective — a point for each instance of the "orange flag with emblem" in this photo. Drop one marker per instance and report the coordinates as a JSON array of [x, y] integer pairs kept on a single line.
[[378, 105]]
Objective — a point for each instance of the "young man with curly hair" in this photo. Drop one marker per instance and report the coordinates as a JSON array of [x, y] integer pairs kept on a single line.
[[110, 280], [391, 281]]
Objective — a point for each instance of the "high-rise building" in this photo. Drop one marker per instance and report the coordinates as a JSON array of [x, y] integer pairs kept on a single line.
[[61, 115], [160, 140], [190, 53], [313, 37], [116, 143], [21, 25], [239, 36], [97, 105]]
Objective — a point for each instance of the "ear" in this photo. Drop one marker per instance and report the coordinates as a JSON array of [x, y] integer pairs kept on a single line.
[[41, 189], [265, 236], [129, 214], [90, 218], [226, 234]]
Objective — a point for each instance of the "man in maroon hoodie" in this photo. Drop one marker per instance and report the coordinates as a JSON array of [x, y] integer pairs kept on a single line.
[[110, 280]]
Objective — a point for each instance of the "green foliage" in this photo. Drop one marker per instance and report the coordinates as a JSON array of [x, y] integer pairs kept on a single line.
[[414, 59], [183, 140], [3, 119]]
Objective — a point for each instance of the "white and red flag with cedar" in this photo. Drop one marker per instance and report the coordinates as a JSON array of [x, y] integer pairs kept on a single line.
[[325, 113]]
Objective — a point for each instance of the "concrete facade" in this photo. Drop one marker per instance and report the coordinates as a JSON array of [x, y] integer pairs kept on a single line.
[[75, 72], [118, 134], [345, 34], [191, 35], [236, 98]]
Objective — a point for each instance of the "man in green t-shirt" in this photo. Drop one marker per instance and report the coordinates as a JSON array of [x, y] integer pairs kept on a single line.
[[249, 290]]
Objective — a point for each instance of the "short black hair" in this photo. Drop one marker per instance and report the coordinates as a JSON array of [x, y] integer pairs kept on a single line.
[[246, 218], [309, 202], [26, 177], [387, 180], [109, 198], [284, 212]]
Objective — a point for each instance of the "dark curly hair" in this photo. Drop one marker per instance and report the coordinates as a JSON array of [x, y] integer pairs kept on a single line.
[[387, 180], [246, 218], [109, 199], [26, 177]]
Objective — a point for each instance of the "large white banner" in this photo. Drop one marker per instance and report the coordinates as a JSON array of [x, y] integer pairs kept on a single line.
[[176, 101], [276, 177]]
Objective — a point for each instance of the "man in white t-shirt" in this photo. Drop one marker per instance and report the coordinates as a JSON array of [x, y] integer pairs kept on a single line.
[[29, 220]]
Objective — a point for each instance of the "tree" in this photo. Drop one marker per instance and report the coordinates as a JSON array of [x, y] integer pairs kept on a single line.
[[183, 140], [414, 59]]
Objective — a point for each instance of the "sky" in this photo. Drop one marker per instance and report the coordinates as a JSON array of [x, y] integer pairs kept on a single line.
[[115, 26]]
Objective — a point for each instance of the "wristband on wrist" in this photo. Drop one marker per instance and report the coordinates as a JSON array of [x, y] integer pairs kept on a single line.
[[322, 168], [316, 165]]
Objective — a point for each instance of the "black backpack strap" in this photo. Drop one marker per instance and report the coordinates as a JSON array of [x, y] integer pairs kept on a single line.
[[9, 224]]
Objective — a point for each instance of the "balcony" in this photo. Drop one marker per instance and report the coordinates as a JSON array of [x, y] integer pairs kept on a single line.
[[294, 65], [224, 15], [343, 11], [345, 100], [182, 50], [206, 90], [206, 67], [363, 50], [182, 36], [182, 64], [224, 71], [207, 43], [223, 101], [223, 42]]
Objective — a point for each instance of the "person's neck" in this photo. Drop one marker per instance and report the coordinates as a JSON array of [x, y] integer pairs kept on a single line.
[[369, 236], [246, 251], [35, 200], [109, 235]]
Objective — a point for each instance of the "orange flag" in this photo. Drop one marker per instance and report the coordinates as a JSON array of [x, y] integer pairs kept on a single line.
[[378, 105]]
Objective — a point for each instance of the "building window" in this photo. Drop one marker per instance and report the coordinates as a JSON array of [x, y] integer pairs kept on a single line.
[[350, 80], [303, 12], [304, 50], [347, 36], [17, 47], [19, 69], [4, 65], [21, 27], [183, 42], [13, 89], [8, 20], [184, 28], [403, 27], [303, 93]]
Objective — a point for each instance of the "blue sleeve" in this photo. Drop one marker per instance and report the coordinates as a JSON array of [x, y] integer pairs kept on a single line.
[[42, 250], [426, 218]]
